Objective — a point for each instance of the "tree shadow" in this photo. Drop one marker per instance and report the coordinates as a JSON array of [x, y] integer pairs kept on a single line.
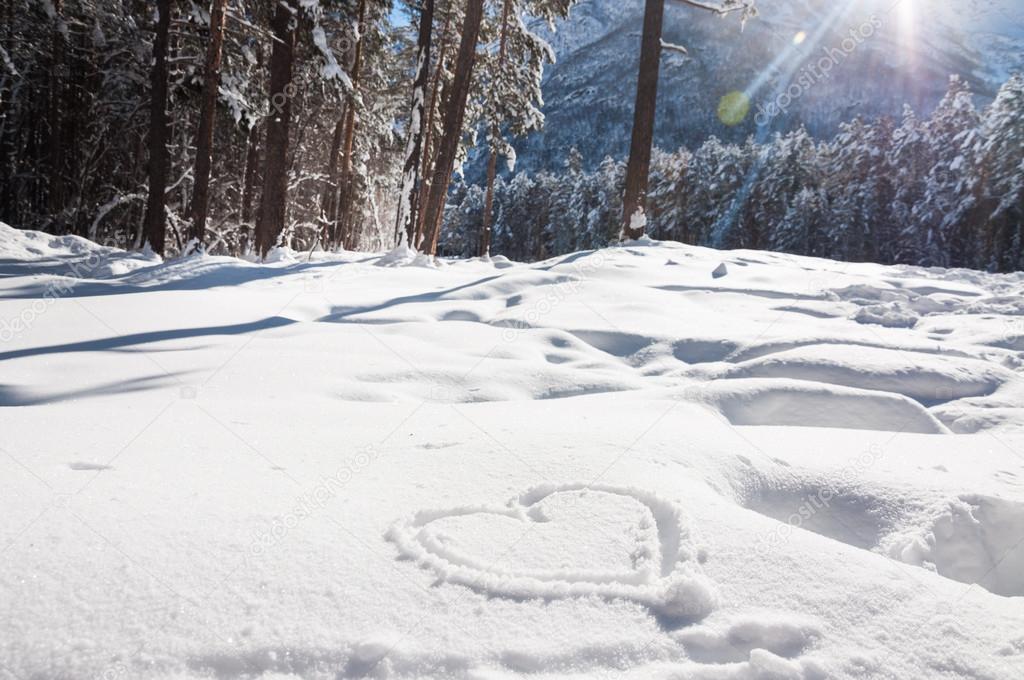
[[176, 275], [120, 341], [13, 395], [340, 314]]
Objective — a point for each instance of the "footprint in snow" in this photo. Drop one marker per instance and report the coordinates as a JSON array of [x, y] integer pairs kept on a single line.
[[767, 642], [80, 465], [569, 540]]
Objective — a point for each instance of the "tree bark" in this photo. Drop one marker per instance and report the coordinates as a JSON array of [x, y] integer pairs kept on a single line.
[[270, 222], [204, 138], [159, 131], [428, 138], [638, 168], [55, 116], [344, 222], [252, 167], [454, 115], [492, 162], [405, 222], [8, 169], [329, 196]]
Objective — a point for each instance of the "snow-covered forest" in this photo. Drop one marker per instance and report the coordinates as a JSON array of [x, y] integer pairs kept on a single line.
[[511, 339], [288, 119], [81, 155], [947, 190]]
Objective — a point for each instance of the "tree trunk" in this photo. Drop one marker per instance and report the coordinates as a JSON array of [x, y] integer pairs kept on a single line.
[[55, 117], [270, 222], [454, 115], [344, 222], [204, 138], [638, 169], [252, 166], [159, 157], [405, 223], [8, 168], [252, 162], [428, 138], [492, 162], [329, 196]]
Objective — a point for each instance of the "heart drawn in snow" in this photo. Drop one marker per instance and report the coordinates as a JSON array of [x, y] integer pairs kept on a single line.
[[566, 540]]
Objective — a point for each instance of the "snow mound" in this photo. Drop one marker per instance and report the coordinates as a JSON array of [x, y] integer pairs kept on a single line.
[[977, 539], [927, 378], [26, 245], [68, 256], [762, 401], [732, 638], [568, 540]]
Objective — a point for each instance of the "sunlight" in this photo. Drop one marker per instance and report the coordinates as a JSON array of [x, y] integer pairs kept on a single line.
[[906, 13]]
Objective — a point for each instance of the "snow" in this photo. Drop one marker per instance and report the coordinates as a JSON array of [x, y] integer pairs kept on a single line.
[[611, 464]]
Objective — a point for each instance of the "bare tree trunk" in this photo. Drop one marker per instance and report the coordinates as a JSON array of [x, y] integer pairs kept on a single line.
[[484, 246], [329, 196], [271, 219], [455, 112], [252, 166], [252, 170], [429, 155], [405, 223], [8, 164], [55, 116], [638, 169], [155, 224], [492, 162], [204, 138], [345, 222]]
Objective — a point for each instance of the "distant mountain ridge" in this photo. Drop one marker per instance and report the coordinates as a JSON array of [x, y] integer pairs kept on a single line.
[[589, 91]]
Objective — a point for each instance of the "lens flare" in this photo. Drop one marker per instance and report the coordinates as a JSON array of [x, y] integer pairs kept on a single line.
[[906, 13], [733, 108]]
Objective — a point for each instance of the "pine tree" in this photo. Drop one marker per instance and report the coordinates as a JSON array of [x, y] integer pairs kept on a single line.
[[562, 228], [1001, 185], [944, 214], [668, 196], [511, 81], [734, 167], [786, 167], [912, 158], [455, 112], [802, 227], [861, 192]]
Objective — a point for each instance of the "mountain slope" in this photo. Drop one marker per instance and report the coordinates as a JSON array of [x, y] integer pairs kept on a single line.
[[905, 55]]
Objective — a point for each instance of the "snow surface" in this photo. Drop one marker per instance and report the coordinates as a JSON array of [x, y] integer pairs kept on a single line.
[[612, 464]]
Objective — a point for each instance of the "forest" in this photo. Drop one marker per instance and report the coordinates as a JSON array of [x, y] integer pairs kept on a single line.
[[946, 191], [244, 126]]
